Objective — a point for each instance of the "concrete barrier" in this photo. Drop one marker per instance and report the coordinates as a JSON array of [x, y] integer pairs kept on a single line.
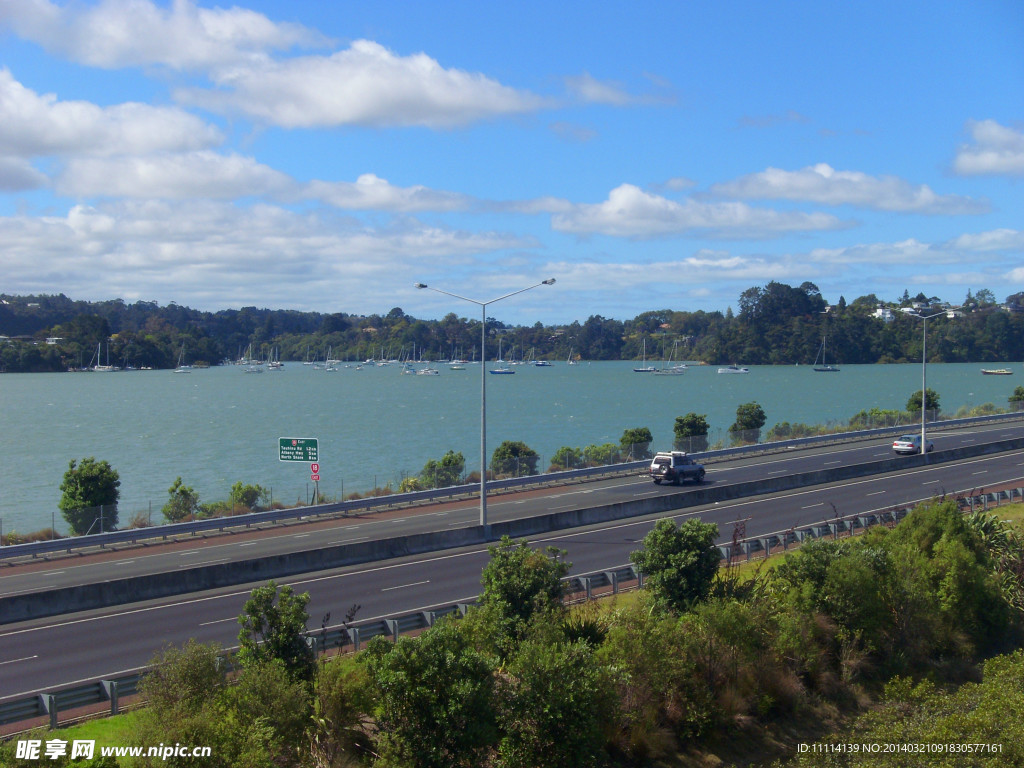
[[151, 586]]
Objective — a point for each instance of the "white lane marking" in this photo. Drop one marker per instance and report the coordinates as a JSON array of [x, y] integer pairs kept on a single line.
[[812, 506], [349, 541], [205, 562], [983, 472], [218, 621], [15, 661], [832, 462], [876, 493], [249, 544], [403, 586], [301, 535]]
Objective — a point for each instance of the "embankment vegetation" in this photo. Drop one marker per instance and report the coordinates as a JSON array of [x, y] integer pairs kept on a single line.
[[908, 634]]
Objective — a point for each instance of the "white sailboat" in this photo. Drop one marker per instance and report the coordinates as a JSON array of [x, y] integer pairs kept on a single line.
[[824, 367], [644, 367], [670, 369], [502, 366], [181, 367], [108, 368]]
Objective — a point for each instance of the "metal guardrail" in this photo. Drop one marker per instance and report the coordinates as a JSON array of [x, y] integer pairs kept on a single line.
[[358, 506], [850, 524]]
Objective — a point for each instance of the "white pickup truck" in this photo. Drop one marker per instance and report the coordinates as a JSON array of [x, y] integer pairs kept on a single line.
[[674, 467]]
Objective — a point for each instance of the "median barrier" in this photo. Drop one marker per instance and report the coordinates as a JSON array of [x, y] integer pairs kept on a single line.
[[53, 602]]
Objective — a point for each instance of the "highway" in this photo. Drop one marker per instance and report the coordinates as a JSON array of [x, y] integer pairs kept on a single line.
[[45, 654]]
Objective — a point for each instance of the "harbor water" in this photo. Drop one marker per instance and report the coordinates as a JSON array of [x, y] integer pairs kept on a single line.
[[375, 426]]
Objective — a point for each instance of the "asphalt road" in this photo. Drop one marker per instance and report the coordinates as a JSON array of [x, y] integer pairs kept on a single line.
[[44, 654]]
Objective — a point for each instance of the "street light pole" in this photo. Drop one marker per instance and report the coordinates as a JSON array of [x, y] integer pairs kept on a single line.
[[924, 370], [483, 382]]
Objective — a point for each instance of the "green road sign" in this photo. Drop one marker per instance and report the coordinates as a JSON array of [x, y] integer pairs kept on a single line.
[[304, 449]]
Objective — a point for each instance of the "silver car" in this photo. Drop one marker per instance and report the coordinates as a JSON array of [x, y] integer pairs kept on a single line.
[[910, 444]]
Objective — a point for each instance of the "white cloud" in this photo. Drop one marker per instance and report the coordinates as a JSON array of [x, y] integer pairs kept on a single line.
[[994, 240], [32, 125], [823, 184], [363, 85], [997, 151], [587, 88], [213, 254], [120, 33], [630, 212], [172, 176], [17, 175], [370, 192]]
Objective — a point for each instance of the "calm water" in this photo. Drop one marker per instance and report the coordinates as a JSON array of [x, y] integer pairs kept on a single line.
[[218, 426]]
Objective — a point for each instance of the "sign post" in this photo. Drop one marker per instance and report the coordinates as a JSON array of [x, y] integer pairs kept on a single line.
[[305, 450]]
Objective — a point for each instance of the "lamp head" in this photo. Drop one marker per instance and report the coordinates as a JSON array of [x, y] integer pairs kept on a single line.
[[421, 285], [549, 281]]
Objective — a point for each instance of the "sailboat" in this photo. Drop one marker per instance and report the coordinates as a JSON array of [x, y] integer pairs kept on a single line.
[[502, 366], [824, 367], [108, 368], [667, 368], [181, 367], [645, 368]]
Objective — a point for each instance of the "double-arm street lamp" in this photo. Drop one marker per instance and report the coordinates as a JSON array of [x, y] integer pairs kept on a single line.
[[924, 369], [483, 382]]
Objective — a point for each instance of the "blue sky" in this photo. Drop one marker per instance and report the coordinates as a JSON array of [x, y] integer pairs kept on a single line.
[[647, 155]]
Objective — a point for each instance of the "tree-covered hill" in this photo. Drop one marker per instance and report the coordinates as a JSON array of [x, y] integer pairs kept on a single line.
[[775, 324]]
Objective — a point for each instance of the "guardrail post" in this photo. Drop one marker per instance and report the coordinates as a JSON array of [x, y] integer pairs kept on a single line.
[[49, 702], [392, 629], [613, 577], [586, 584], [111, 688], [354, 634]]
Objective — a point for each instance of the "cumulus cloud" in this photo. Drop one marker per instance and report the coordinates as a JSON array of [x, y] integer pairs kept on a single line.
[[120, 33], [993, 240], [823, 184], [178, 176], [996, 151], [215, 254], [365, 84], [633, 213], [17, 175], [39, 125], [370, 192]]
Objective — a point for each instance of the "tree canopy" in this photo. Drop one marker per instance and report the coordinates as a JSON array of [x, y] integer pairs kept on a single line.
[[89, 492]]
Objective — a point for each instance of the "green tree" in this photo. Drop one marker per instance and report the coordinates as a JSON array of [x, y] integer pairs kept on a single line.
[[552, 708], [435, 699], [247, 496], [1016, 400], [520, 583], [566, 458], [750, 417], [931, 400], [182, 504], [514, 459], [446, 472], [691, 432], [636, 443], [90, 489], [678, 562], [274, 627]]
